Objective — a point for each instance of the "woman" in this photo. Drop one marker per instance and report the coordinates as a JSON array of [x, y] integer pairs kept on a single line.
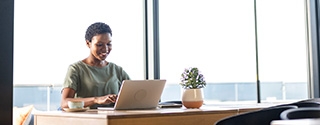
[[93, 79]]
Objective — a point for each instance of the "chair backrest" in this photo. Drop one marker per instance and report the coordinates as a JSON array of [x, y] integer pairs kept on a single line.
[[299, 104], [307, 104], [260, 117], [302, 104], [300, 113]]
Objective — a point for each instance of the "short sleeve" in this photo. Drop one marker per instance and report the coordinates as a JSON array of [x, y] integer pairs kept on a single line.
[[72, 78], [125, 76], [122, 74]]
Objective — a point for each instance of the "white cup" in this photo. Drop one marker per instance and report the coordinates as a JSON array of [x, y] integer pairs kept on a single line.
[[76, 104]]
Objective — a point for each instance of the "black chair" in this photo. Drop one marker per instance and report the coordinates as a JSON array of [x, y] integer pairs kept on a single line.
[[260, 117], [300, 113]]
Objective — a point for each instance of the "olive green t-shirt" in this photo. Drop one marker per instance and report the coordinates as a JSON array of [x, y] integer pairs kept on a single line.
[[90, 81]]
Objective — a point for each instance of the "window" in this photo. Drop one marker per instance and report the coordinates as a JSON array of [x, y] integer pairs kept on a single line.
[[218, 37], [49, 36], [282, 49]]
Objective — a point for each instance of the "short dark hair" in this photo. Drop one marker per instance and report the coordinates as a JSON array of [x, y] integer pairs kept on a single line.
[[97, 28]]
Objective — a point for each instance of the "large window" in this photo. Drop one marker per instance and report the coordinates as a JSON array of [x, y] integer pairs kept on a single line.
[[221, 38], [218, 37], [49, 36], [282, 49]]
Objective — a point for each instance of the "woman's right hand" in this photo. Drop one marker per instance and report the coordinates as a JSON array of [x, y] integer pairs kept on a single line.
[[107, 99]]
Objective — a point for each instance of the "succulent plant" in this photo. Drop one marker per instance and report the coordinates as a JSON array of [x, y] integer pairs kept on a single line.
[[192, 79]]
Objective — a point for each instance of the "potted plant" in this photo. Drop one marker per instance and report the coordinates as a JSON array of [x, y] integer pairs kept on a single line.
[[192, 81]]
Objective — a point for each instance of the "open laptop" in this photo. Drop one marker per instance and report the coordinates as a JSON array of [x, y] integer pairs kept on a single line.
[[138, 94]]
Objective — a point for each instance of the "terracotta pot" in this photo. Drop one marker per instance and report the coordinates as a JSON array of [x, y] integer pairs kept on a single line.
[[192, 98]]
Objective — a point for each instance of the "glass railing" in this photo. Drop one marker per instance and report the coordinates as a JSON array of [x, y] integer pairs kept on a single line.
[[241, 92], [47, 97], [43, 97]]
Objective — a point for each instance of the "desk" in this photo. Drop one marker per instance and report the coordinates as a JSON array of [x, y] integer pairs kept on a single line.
[[206, 115]]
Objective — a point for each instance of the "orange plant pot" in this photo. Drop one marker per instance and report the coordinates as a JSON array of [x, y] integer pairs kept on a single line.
[[192, 98]]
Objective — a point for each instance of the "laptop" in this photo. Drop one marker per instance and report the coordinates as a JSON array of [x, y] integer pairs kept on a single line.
[[138, 94]]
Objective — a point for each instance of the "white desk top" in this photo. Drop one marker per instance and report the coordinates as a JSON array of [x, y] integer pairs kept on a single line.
[[296, 122]]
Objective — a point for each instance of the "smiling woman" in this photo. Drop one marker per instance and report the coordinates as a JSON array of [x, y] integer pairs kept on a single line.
[[49, 36], [94, 80]]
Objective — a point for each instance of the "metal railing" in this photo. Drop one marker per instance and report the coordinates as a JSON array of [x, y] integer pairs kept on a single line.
[[47, 97], [38, 95]]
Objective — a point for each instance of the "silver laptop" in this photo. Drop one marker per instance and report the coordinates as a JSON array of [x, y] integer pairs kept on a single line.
[[139, 94]]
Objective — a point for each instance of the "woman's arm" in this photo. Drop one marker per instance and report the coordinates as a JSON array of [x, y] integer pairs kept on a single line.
[[68, 95]]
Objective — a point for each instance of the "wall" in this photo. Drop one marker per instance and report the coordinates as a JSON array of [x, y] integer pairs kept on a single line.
[[6, 61]]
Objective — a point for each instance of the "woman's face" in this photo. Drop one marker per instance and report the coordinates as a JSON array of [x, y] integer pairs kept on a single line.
[[100, 46]]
